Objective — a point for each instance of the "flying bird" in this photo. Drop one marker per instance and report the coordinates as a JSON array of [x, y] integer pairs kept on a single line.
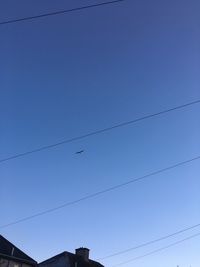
[[79, 152]]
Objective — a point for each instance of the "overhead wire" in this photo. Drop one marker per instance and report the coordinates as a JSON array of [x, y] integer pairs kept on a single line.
[[109, 189], [150, 242], [116, 126], [157, 250], [61, 12], [98, 132]]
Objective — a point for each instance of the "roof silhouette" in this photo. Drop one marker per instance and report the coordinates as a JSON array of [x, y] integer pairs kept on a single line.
[[7, 249]]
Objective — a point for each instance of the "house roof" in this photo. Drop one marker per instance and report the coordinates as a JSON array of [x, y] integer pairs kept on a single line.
[[74, 259], [8, 250]]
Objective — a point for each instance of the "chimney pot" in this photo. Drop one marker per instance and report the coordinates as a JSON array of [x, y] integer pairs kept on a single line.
[[83, 252]]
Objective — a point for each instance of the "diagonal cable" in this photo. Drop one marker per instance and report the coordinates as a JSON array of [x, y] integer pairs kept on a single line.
[[157, 250], [116, 126], [109, 189], [61, 12], [151, 242]]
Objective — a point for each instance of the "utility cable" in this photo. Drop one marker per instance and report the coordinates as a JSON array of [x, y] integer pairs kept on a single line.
[[157, 250], [11, 21], [109, 189], [123, 124], [150, 242]]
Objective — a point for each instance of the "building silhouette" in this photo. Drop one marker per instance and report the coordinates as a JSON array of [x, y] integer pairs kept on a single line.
[[11, 256]]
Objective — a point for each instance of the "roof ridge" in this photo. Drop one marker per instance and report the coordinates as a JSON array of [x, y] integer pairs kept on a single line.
[[27, 257]]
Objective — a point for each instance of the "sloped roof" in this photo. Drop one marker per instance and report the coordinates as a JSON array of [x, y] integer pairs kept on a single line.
[[73, 260], [10, 250]]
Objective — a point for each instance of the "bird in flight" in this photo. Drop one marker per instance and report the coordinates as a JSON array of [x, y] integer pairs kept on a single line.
[[79, 152]]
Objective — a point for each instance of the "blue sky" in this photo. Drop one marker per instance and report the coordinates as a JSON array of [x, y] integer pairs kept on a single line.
[[68, 75]]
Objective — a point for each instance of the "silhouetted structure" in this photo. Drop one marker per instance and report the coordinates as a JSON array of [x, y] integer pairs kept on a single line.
[[67, 259], [11, 256]]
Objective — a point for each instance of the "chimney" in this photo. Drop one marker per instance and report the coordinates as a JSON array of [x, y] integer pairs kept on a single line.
[[83, 252]]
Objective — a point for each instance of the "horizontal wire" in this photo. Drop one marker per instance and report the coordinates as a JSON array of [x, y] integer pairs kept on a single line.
[[11, 21], [150, 242], [157, 250], [123, 124], [109, 189]]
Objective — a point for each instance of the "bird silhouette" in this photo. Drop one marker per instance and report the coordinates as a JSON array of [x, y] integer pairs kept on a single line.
[[79, 152]]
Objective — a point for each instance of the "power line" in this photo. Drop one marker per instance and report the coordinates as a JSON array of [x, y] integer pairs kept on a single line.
[[123, 124], [151, 242], [59, 12], [109, 189], [157, 250]]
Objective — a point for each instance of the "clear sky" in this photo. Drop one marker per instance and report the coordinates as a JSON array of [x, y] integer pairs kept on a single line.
[[67, 75]]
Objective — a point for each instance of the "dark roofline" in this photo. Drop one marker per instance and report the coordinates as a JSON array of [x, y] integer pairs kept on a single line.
[[10, 256], [34, 263], [66, 253], [54, 257], [96, 262]]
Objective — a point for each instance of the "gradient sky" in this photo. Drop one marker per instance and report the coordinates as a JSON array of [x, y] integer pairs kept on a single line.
[[67, 75]]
